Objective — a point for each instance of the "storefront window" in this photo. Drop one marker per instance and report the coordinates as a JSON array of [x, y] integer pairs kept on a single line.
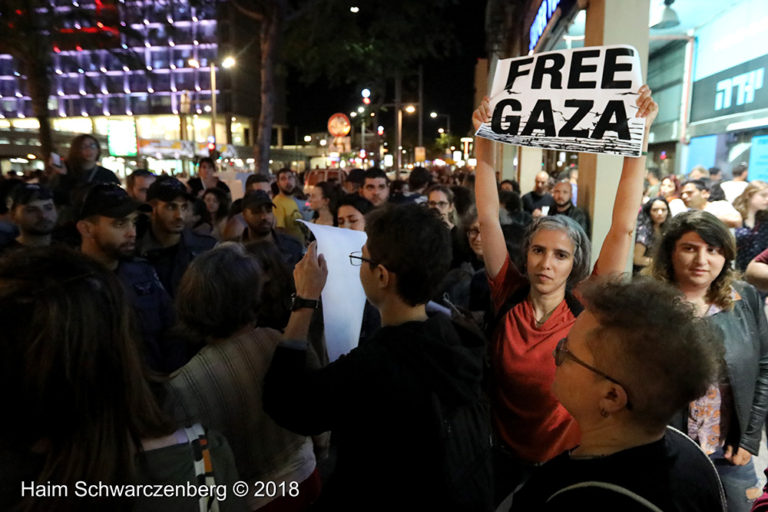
[[158, 127]]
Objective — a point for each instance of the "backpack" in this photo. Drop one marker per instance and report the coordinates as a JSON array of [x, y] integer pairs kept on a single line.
[[464, 450], [464, 445]]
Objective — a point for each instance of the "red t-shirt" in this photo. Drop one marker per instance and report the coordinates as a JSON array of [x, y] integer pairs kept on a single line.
[[526, 414], [762, 257]]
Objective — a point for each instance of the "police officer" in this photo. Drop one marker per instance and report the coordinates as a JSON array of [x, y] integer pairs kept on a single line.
[[106, 221]]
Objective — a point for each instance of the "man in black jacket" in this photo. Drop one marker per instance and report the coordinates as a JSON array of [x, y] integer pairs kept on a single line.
[[167, 244], [107, 226], [383, 400], [561, 194]]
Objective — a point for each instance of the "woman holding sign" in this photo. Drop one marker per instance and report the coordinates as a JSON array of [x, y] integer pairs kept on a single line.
[[535, 306]]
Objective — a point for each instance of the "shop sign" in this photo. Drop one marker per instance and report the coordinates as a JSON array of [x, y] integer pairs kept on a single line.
[[570, 100], [166, 148], [738, 89]]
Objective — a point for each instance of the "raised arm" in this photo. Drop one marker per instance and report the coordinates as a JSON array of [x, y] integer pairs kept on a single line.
[[487, 198], [620, 238], [757, 272]]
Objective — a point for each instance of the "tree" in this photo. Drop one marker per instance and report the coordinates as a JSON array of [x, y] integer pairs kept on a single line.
[[324, 39], [30, 30], [329, 41], [271, 15]]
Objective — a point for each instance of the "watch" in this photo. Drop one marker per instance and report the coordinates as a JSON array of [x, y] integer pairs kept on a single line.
[[301, 303]]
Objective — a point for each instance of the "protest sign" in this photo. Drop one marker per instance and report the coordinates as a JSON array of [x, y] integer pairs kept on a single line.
[[570, 100], [343, 295]]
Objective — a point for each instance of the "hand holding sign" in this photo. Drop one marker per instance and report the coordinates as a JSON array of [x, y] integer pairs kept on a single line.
[[310, 274], [646, 107], [573, 100]]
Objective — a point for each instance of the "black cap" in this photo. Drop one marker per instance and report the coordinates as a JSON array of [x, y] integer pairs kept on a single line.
[[108, 200], [25, 193], [356, 176], [256, 199], [168, 189]]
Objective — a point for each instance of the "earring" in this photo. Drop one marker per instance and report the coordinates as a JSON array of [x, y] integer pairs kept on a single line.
[[603, 413]]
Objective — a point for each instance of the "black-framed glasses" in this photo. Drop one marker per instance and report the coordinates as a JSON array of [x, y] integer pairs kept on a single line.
[[473, 232], [438, 204], [561, 352], [356, 259]]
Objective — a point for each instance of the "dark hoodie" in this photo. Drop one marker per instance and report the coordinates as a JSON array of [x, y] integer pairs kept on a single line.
[[377, 402]]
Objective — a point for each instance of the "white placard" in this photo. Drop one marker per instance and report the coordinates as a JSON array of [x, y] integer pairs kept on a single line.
[[343, 295], [573, 100]]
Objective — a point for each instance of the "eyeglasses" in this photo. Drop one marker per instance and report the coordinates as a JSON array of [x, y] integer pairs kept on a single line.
[[438, 204], [473, 232], [561, 352], [356, 259]]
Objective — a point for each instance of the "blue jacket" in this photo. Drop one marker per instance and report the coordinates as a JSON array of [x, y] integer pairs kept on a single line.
[[154, 314]]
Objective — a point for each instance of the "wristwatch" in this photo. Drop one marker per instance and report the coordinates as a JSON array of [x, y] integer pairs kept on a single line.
[[301, 303]]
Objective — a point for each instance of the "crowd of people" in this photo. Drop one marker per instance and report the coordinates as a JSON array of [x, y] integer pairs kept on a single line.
[[158, 333]]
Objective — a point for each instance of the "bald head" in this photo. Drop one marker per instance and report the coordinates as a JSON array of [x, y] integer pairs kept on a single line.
[[540, 186]]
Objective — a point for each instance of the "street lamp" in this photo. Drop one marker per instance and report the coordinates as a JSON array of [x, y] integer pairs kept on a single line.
[[227, 63], [435, 115]]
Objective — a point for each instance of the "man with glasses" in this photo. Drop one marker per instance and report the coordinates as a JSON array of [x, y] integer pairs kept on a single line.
[[107, 225], [380, 399], [634, 359]]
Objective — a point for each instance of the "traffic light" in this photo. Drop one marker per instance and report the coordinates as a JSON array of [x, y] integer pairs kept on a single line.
[[212, 150]]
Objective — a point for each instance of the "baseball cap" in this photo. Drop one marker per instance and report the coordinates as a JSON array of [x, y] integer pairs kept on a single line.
[[108, 200], [25, 193], [356, 176], [167, 189], [255, 199]]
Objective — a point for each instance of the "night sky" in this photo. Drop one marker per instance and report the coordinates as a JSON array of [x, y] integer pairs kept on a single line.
[[448, 88]]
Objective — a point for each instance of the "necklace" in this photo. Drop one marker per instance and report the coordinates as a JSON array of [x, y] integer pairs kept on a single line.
[[544, 318]]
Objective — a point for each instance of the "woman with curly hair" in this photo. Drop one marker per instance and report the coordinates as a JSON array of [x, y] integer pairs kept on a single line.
[[651, 225], [752, 236], [695, 255]]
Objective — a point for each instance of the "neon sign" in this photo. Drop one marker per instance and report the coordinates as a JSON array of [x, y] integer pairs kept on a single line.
[[544, 14]]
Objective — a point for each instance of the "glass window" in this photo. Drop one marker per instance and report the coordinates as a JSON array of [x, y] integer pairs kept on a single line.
[[138, 81], [161, 81]]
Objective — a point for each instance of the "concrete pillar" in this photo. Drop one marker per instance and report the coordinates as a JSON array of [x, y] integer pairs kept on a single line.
[[529, 165], [609, 22], [508, 169]]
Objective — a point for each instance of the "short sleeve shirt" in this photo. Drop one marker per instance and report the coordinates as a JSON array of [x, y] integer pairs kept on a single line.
[[526, 415]]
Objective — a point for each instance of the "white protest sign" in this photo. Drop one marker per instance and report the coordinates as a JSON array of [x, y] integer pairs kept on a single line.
[[570, 100], [343, 295]]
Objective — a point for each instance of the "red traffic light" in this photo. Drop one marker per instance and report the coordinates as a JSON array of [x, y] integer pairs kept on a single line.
[[367, 101]]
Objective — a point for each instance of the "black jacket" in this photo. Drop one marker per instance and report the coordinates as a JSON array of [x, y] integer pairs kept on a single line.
[[171, 262], [745, 334], [376, 400]]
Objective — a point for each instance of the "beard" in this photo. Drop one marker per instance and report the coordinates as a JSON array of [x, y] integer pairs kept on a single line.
[[41, 228], [261, 228], [120, 252]]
